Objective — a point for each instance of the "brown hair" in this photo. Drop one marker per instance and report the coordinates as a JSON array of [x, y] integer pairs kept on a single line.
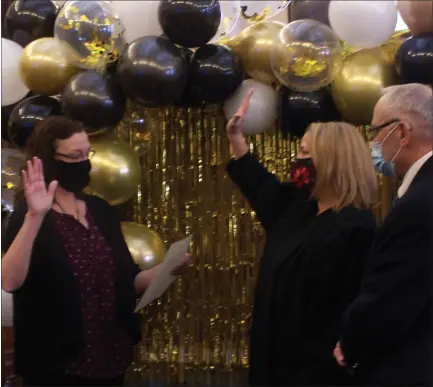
[[345, 171], [42, 142]]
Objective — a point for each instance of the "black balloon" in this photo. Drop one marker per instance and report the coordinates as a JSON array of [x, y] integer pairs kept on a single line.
[[27, 114], [28, 20], [95, 99], [6, 112], [153, 71], [111, 68], [298, 110], [310, 9], [215, 73], [414, 60], [190, 23]]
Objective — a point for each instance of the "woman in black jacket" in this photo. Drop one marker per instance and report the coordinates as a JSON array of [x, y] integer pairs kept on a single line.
[[73, 279], [319, 228]]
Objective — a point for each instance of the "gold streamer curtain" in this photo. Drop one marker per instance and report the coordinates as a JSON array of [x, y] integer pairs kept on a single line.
[[199, 328]]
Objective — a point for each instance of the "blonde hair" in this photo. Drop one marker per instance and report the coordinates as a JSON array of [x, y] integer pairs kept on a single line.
[[345, 171]]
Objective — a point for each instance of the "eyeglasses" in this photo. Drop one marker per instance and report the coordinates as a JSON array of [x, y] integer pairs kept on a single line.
[[373, 131], [78, 156]]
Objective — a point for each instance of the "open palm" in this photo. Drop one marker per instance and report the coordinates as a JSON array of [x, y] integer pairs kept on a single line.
[[39, 198], [234, 126]]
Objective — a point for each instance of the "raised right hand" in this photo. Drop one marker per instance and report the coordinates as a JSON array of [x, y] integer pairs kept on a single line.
[[39, 198], [234, 126]]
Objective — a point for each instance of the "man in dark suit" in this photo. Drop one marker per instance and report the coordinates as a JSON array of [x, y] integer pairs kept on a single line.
[[387, 335]]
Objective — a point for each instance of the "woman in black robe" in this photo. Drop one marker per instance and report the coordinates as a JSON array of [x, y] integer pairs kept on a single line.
[[319, 227]]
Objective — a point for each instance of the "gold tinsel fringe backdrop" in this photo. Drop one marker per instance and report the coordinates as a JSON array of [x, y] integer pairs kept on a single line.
[[200, 326]]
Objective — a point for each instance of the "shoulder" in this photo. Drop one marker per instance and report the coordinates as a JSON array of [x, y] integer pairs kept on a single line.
[[354, 225], [408, 227], [414, 209], [105, 215], [353, 219], [419, 194]]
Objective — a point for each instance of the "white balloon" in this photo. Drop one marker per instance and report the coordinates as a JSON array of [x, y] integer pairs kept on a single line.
[[263, 108], [7, 309], [13, 88], [140, 18], [400, 25], [363, 24]]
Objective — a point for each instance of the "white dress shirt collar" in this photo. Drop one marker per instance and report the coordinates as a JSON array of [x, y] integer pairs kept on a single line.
[[411, 173]]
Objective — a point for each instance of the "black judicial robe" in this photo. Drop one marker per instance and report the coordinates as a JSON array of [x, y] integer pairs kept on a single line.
[[309, 273]]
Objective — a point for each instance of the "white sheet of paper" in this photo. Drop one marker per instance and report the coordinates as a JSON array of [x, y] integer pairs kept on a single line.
[[163, 278]]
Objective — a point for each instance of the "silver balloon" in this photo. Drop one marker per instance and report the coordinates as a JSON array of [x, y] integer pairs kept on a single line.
[[11, 163]]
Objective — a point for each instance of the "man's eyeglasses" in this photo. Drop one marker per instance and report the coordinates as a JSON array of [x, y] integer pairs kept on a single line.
[[78, 156], [373, 131]]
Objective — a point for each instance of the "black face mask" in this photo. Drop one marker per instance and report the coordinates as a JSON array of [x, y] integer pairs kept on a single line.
[[73, 177]]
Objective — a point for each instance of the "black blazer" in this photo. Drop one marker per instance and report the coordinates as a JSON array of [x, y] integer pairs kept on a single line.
[[310, 271], [47, 317], [388, 328]]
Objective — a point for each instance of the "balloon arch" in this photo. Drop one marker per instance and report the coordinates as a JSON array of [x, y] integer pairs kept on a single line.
[[89, 59]]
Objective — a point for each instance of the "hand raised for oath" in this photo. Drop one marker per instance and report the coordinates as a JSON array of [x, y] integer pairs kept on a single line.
[[39, 198], [234, 126]]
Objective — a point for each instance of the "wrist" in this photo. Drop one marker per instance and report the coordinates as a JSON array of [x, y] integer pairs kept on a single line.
[[236, 138], [144, 278], [34, 217], [239, 149]]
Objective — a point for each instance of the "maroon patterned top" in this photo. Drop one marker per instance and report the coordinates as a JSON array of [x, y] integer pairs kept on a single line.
[[107, 349]]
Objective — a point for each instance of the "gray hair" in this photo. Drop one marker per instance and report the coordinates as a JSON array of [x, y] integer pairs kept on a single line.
[[411, 98]]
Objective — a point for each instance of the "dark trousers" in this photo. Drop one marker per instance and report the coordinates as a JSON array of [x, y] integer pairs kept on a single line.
[[70, 380]]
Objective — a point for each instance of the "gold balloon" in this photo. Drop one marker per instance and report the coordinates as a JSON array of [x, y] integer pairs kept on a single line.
[[417, 14], [347, 50], [146, 246], [360, 83], [44, 68], [115, 171], [254, 45], [391, 46]]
